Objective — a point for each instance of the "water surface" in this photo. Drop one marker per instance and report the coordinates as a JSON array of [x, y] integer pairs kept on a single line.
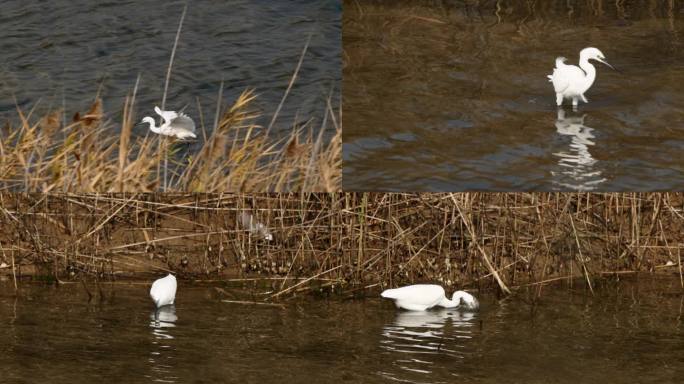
[[449, 96], [625, 333]]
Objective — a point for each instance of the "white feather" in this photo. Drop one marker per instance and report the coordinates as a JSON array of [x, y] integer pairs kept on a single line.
[[421, 297], [163, 291]]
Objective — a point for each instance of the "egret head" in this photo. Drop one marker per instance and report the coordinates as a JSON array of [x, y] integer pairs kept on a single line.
[[148, 120], [592, 53], [465, 300]]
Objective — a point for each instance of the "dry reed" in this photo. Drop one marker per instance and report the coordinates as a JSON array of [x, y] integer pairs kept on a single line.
[[38, 154], [45, 154], [347, 241]]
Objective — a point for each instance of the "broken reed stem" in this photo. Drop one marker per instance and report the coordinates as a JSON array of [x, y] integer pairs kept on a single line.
[[585, 272], [679, 261], [253, 303]]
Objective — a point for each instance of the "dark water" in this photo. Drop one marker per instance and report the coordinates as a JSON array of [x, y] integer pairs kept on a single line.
[[66, 49], [626, 333], [446, 95]]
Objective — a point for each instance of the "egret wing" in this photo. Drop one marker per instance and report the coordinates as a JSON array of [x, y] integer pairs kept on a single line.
[[560, 83], [183, 122], [167, 116], [565, 75], [419, 294]]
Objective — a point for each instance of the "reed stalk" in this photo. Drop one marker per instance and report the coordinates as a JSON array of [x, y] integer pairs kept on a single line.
[[347, 243]]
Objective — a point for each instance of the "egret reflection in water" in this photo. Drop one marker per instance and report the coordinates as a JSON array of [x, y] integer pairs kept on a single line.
[[577, 168], [162, 354], [425, 342]]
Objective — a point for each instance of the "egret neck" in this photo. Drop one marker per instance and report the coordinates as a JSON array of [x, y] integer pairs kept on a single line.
[[590, 71], [153, 126], [455, 300]]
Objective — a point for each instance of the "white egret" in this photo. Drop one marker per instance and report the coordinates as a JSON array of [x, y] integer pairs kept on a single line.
[[163, 291], [173, 123], [420, 297], [256, 228], [571, 81]]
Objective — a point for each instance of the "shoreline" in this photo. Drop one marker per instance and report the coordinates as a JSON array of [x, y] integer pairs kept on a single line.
[[355, 241]]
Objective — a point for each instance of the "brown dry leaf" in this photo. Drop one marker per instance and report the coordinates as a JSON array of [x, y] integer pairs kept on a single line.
[[294, 149], [94, 115], [51, 123]]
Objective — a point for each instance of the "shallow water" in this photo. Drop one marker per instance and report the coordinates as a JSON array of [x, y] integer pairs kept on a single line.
[[50, 50], [626, 333], [445, 96]]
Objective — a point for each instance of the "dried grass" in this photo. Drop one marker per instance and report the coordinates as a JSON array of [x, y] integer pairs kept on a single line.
[[348, 241], [39, 154]]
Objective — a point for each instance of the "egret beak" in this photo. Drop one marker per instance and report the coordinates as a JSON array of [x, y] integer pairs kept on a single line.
[[606, 63]]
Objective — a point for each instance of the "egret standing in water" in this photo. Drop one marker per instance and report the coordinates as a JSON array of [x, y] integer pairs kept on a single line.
[[163, 291], [173, 123], [421, 297], [571, 81]]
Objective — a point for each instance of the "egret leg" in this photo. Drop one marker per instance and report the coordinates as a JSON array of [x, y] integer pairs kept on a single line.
[[559, 99], [574, 104], [560, 115]]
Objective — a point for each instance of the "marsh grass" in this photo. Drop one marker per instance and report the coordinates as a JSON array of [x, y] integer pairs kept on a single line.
[[40, 154], [92, 153], [349, 243]]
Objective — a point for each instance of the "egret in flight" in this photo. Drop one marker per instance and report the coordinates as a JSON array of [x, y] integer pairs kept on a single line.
[[163, 291], [173, 123], [571, 81], [421, 297], [256, 228]]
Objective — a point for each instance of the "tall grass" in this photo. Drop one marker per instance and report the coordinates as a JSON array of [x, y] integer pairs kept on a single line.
[[40, 154], [348, 241], [94, 154]]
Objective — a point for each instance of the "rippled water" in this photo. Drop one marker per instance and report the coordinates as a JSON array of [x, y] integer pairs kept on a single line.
[[66, 49], [453, 96], [625, 333]]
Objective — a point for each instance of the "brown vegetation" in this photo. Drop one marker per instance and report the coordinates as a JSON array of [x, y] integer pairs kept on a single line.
[[94, 154], [346, 240], [237, 155]]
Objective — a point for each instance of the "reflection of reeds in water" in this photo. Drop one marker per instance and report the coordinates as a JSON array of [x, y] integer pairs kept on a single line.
[[346, 242], [94, 154]]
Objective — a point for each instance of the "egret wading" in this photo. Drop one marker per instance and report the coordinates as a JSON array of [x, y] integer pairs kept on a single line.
[[163, 291], [173, 123], [421, 297], [571, 81]]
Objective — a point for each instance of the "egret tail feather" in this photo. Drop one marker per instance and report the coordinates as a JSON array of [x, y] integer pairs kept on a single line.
[[560, 61]]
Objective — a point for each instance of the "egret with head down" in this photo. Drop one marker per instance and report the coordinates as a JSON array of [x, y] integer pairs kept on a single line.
[[163, 291], [571, 81], [421, 297]]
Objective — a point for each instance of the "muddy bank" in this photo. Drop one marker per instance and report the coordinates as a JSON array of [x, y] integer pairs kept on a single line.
[[343, 240]]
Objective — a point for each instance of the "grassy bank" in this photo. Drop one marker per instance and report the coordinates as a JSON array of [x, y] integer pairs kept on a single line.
[[91, 153], [347, 241]]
